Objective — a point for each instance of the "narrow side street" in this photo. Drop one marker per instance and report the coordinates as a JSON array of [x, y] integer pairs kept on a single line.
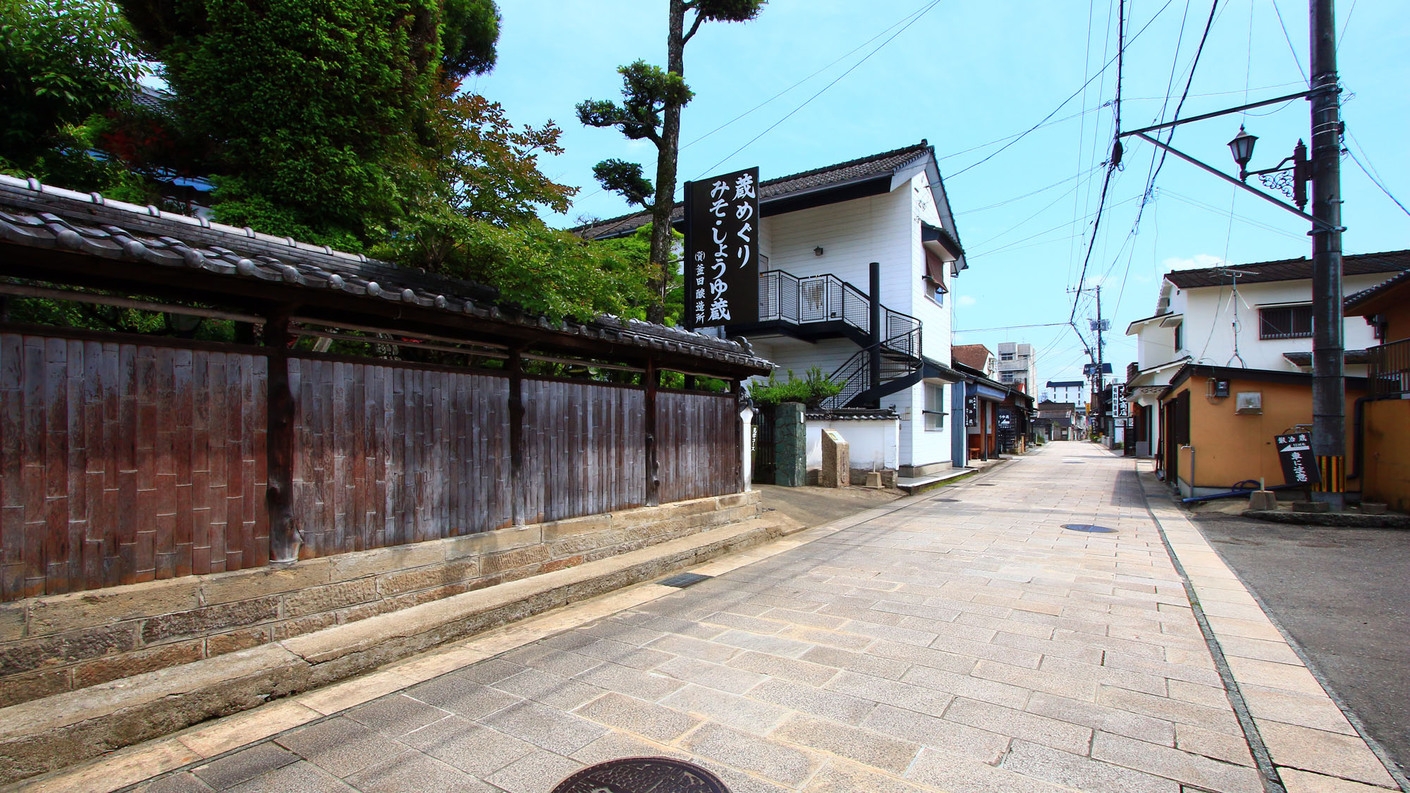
[[962, 640]]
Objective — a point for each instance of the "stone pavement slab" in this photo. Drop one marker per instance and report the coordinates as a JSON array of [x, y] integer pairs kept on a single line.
[[972, 644]]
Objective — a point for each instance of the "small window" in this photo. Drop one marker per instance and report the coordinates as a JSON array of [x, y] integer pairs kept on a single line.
[[935, 290], [1179, 337], [1006, 356], [1285, 322], [934, 407]]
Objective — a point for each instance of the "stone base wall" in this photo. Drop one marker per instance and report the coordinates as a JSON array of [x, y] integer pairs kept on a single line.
[[65, 642]]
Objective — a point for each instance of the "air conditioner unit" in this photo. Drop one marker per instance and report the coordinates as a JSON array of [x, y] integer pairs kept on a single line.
[[1250, 402]]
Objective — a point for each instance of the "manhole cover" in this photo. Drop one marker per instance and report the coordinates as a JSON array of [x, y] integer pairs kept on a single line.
[[1088, 527], [683, 580], [642, 775]]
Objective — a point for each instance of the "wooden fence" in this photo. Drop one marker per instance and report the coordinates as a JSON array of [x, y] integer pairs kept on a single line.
[[698, 448], [125, 460], [391, 454]]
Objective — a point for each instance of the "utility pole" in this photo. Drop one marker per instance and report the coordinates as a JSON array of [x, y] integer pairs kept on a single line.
[[1100, 326], [1328, 359]]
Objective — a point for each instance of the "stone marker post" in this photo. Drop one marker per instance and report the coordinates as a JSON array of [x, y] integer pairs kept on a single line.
[[836, 460]]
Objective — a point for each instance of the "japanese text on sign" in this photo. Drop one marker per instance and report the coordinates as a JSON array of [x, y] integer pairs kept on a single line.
[[722, 270]]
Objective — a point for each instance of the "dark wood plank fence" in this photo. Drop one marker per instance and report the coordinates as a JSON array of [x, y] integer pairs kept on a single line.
[[392, 454], [584, 449], [698, 449], [123, 462]]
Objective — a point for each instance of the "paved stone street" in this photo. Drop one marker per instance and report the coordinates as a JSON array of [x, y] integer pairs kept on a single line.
[[963, 640]]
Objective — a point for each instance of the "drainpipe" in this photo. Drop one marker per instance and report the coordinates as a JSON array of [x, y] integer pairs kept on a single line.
[[1358, 432], [875, 287]]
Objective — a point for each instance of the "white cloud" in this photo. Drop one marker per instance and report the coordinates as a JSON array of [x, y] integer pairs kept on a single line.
[[1196, 262], [965, 300]]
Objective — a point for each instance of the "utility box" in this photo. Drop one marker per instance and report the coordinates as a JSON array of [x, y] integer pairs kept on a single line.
[[836, 460]]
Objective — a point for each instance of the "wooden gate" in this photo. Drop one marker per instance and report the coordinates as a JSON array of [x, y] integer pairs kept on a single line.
[[765, 465]]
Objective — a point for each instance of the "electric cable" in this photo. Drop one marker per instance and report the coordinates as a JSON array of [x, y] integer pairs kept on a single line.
[[1288, 39], [822, 90], [838, 60], [1369, 173], [1064, 102]]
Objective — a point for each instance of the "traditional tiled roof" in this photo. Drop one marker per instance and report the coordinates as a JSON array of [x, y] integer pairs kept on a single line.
[[850, 414], [843, 173], [33, 216], [1355, 302], [1288, 270], [971, 355]]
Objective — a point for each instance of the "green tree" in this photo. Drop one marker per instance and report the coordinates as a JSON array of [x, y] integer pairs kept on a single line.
[[61, 61], [651, 110], [314, 109]]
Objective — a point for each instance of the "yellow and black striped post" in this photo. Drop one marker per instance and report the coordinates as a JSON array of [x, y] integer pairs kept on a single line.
[[1333, 471]]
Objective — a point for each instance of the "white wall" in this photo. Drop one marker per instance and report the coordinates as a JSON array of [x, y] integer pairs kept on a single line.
[[884, 229], [872, 444], [1208, 325]]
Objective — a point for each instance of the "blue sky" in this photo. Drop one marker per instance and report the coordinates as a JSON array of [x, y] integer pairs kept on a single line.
[[968, 76]]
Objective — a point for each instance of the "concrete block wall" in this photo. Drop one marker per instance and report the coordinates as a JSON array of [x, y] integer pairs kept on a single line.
[[59, 643]]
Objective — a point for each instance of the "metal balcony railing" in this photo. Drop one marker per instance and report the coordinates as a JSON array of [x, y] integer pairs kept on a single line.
[[820, 298], [1388, 369]]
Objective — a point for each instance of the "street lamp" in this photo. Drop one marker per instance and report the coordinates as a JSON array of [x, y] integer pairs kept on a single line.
[[1293, 185], [1242, 149]]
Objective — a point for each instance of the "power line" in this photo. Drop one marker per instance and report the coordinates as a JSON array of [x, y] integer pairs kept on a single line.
[[821, 91], [1064, 102], [1288, 39], [1011, 327], [840, 59], [1369, 174]]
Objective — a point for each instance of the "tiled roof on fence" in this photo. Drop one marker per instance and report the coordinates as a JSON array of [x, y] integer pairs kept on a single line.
[[1288, 270], [40, 217]]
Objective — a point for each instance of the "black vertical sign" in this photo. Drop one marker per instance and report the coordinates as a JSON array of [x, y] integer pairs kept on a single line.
[[1295, 453], [722, 250], [971, 411]]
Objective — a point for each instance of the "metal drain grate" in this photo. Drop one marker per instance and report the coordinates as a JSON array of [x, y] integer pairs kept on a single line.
[[642, 775], [1090, 528], [985, 484], [683, 580], [950, 500]]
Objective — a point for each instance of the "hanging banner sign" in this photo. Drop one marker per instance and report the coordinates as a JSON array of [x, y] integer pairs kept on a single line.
[[971, 411], [1295, 453], [722, 250]]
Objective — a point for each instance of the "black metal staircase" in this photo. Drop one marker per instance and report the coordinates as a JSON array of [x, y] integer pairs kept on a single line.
[[824, 306], [880, 369]]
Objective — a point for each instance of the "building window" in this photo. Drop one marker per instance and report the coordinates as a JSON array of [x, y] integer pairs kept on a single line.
[[935, 291], [1006, 377], [934, 407], [1006, 356], [1179, 337], [1285, 322]]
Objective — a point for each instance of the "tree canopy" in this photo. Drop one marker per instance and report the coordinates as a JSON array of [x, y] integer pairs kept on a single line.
[[341, 122], [60, 62]]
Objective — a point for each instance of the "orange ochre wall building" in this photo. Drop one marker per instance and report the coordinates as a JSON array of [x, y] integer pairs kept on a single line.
[[1213, 441]]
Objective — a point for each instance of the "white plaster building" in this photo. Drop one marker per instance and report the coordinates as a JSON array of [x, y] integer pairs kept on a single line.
[[820, 232], [1016, 366], [1250, 316], [1074, 391]]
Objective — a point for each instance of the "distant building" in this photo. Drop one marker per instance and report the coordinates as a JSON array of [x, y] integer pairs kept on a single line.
[[1016, 366], [1074, 391]]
